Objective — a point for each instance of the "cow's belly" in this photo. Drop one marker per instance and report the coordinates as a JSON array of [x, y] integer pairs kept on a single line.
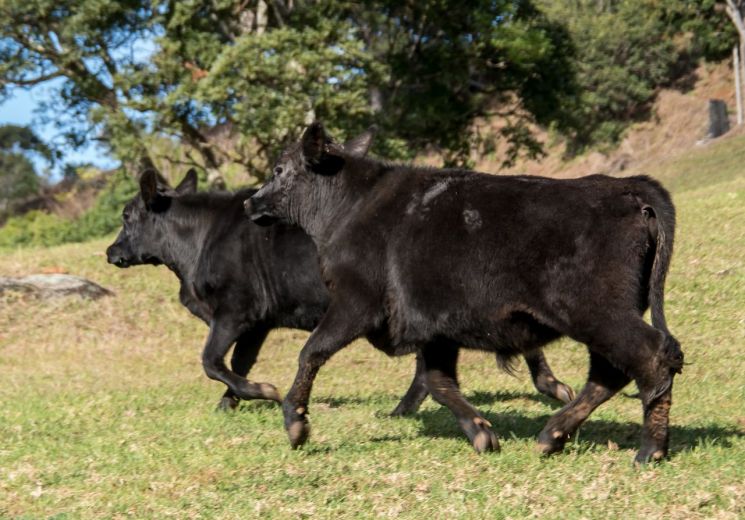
[[508, 330]]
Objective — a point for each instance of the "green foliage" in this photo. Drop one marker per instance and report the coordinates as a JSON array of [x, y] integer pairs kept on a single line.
[[422, 71], [233, 81], [37, 228], [18, 177], [711, 33], [622, 57]]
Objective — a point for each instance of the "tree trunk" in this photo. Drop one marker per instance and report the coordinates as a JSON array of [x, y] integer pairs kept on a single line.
[[734, 9], [738, 83]]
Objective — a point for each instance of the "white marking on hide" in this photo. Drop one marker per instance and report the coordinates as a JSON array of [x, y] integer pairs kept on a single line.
[[472, 219], [439, 188]]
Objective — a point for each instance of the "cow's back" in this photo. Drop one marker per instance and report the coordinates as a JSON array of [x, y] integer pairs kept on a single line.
[[466, 251]]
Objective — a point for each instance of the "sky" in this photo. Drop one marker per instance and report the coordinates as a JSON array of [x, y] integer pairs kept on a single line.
[[20, 108], [21, 105]]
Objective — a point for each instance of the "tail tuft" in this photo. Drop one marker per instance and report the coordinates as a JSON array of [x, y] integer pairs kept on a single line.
[[672, 354]]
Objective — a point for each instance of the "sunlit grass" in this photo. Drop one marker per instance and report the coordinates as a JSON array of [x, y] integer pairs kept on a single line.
[[105, 412]]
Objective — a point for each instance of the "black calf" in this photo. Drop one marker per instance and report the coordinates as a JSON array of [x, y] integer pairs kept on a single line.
[[440, 258]]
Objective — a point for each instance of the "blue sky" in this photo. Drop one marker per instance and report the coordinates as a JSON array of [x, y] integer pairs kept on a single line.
[[20, 109]]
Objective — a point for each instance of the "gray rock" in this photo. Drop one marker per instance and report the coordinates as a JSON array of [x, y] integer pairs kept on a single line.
[[54, 285]]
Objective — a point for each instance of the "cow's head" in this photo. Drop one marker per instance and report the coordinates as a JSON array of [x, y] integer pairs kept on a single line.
[[299, 168], [142, 236]]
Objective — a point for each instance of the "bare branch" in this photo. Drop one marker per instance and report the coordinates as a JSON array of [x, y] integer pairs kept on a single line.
[[30, 82]]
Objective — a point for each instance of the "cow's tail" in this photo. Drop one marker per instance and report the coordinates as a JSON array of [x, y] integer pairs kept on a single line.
[[660, 214]]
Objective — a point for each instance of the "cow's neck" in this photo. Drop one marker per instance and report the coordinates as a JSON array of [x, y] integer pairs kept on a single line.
[[184, 238], [334, 198]]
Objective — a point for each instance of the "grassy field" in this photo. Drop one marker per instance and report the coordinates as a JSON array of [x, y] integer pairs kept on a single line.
[[105, 412]]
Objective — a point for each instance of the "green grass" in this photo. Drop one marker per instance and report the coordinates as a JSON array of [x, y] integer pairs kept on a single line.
[[105, 412]]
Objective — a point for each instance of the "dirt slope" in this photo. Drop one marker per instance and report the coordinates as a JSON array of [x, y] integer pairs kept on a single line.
[[679, 122]]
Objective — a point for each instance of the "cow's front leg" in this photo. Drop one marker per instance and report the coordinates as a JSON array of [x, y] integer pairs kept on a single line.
[[336, 330], [244, 356], [222, 334], [417, 392], [440, 359]]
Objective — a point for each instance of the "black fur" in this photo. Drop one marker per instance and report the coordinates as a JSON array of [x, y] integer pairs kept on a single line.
[[425, 258], [241, 279]]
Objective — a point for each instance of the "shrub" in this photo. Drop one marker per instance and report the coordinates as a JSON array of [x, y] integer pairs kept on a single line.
[[37, 228]]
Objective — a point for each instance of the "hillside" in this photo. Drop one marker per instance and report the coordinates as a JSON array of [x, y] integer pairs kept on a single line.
[[678, 122]]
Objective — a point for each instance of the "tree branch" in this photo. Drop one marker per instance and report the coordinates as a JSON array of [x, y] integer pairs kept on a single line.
[[30, 82]]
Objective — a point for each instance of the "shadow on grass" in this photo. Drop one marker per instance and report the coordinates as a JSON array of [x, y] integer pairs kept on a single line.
[[475, 398], [441, 423]]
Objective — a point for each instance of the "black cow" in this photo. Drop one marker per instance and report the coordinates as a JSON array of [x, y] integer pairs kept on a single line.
[[242, 280], [434, 259]]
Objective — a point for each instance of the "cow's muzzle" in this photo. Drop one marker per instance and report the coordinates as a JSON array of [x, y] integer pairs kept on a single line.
[[259, 211], [115, 256]]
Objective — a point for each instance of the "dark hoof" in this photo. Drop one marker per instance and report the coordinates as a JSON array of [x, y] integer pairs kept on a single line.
[[298, 433], [228, 404], [564, 393], [482, 438], [270, 392], [485, 441], [644, 457], [251, 390], [411, 402], [296, 424], [403, 410], [550, 442]]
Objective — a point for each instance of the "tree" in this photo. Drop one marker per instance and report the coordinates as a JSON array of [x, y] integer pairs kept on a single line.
[[735, 10], [234, 80], [18, 177]]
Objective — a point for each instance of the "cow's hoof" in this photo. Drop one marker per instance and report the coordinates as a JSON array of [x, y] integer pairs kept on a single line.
[[645, 456], [404, 410], [298, 433], [482, 438], [228, 404], [551, 441], [249, 390], [564, 393], [296, 424], [485, 441], [270, 392]]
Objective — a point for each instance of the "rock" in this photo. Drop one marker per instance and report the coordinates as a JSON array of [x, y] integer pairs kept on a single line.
[[54, 285]]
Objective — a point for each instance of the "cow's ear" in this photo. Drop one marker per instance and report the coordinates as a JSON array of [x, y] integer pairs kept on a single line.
[[314, 141], [152, 196], [189, 183], [360, 145]]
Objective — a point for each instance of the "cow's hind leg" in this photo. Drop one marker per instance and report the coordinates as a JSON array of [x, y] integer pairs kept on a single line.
[[655, 382], [440, 360], [544, 379], [629, 348], [655, 431], [603, 382], [417, 392], [222, 334], [244, 356]]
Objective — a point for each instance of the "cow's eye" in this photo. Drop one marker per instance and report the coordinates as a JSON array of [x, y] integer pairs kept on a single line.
[[126, 216], [278, 170]]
